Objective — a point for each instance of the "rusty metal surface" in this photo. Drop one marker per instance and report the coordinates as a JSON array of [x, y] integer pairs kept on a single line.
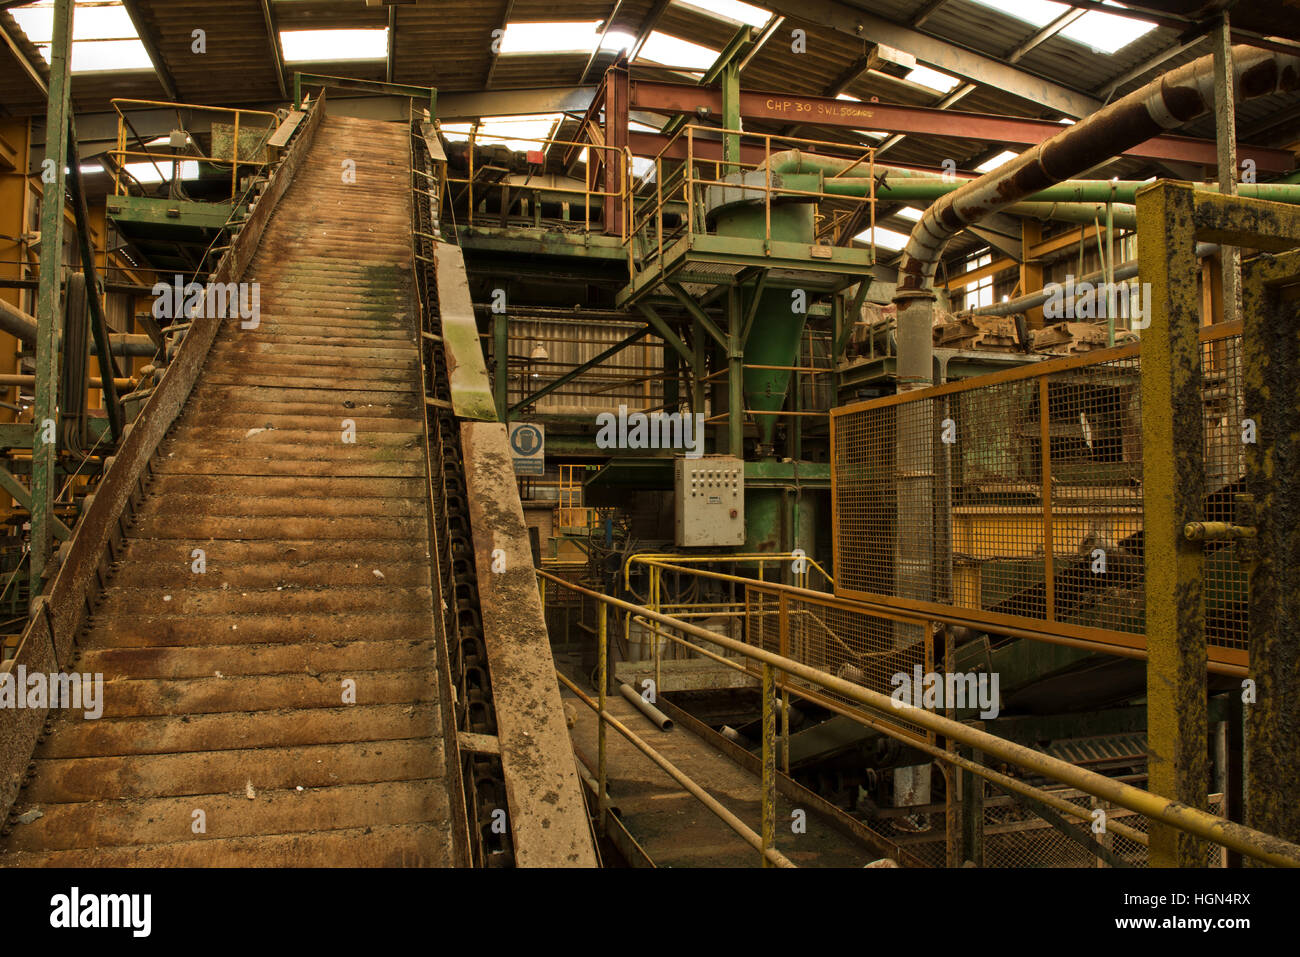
[[1173, 488], [1273, 363], [225, 691], [548, 817], [62, 611]]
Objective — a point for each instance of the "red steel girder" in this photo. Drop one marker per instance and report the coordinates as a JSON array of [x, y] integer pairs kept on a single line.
[[661, 97]]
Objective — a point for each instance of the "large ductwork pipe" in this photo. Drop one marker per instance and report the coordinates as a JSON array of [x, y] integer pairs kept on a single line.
[[1164, 104]]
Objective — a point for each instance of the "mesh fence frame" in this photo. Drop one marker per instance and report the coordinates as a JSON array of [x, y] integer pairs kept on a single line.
[[1016, 498]]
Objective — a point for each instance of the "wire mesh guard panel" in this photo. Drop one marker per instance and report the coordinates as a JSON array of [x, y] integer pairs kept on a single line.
[[1020, 500], [867, 650], [1015, 836]]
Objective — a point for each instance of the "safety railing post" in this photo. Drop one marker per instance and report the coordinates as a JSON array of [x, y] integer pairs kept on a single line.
[[768, 829], [603, 668], [654, 629], [234, 163], [783, 643]]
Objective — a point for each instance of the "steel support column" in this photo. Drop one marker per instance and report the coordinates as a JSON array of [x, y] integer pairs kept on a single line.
[[735, 376], [1225, 124], [45, 454], [617, 101], [1173, 479], [501, 361], [697, 359], [730, 82]]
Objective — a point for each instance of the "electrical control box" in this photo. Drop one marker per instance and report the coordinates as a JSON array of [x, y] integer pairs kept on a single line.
[[710, 500]]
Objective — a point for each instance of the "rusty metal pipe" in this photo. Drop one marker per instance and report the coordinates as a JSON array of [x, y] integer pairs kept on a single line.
[[1164, 104], [18, 379], [661, 720], [22, 326]]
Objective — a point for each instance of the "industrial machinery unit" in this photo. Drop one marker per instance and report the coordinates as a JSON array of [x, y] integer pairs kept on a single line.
[[730, 464]]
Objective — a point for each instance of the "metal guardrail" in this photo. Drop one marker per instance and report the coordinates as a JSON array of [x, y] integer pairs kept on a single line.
[[681, 193], [174, 157], [475, 187], [877, 711], [801, 568]]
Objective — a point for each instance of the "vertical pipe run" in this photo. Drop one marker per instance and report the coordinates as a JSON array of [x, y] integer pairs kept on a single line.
[[44, 453]]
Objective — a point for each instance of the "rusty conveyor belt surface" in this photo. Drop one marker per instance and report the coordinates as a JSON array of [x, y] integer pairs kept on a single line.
[[225, 690]]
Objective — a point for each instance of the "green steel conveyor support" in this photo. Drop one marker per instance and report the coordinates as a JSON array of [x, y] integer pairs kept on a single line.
[[45, 454], [666, 333], [20, 495], [501, 360], [727, 69], [94, 288]]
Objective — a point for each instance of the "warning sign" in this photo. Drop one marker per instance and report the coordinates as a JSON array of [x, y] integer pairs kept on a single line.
[[527, 445]]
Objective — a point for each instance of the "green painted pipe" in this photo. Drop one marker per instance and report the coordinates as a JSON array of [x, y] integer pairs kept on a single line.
[[913, 189], [1124, 216]]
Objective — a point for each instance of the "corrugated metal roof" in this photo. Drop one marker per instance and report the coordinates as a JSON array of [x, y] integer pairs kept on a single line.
[[448, 44]]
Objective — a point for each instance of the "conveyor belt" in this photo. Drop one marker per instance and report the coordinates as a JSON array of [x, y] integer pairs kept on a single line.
[[225, 690]]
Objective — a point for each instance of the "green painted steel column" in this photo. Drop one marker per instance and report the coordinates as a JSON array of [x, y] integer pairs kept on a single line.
[[45, 453], [731, 115], [501, 359], [672, 364], [698, 342], [1173, 488], [735, 376]]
